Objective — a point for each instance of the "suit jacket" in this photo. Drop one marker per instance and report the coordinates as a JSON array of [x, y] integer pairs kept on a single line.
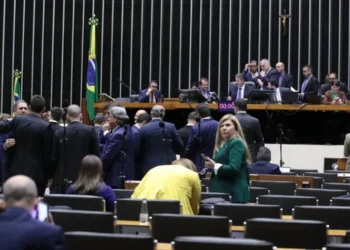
[[201, 141], [311, 88], [347, 151], [252, 133], [248, 76], [5, 155], [32, 155], [97, 129], [234, 90], [184, 134], [55, 126], [19, 231], [328, 98], [264, 167], [287, 81], [136, 143], [143, 97], [326, 86], [112, 157], [81, 140], [158, 148], [271, 74]]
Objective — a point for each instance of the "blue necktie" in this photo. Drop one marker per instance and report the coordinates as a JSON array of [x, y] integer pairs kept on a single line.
[[239, 93], [304, 86]]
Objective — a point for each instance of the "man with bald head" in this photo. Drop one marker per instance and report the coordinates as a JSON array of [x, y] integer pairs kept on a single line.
[[18, 229], [285, 80], [71, 145]]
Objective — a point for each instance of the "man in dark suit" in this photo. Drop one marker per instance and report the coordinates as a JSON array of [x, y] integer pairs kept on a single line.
[[251, 128], [310, 85], [151, 95], [285, 80], [185, 132], [203, 88], [266, 74], [100, 119], [159, 141], [240, 89], [17, 227], [263, 165], [250, 72], [331, 78], [276, 97], [33, 135], [202, 137], [71, 144], [118, 152], [56, 116]]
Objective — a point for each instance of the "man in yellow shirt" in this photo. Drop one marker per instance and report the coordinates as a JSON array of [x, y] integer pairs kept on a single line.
[[178, 181]]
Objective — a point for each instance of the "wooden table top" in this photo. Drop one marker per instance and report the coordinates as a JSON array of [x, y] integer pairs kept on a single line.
[[177, 105], [167, 246]]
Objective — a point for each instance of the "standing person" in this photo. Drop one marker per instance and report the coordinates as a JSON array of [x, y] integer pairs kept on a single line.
[[70, 148], [33, 135], [251, 128], [310, 85], [55, 118], [100, 119], [230, 163], [185, 132]]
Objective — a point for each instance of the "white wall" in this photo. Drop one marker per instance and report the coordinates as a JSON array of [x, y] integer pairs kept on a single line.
[[304, 156]]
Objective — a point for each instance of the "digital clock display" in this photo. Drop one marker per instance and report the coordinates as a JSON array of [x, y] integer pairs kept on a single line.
[[227, 107]]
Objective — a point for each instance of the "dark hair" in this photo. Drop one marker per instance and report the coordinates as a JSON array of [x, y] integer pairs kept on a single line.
[[143, 117], [192, 116], [336, 83], [308, 66], [56, 113], [264, 154], [100, 118], [200, 81], [274, 82], [90, 176], [17, 103], [240, 76], [254, 61], [37, 103], [203, 110], [241, 104], [153, 81]]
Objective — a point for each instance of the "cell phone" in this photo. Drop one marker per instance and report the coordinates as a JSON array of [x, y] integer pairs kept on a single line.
[[204, 157], [41, 211]]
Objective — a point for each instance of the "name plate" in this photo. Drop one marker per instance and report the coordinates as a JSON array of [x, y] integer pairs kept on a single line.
[[226, 107]]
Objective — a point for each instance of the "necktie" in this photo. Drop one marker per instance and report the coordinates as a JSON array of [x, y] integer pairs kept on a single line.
[[303, 86], [239, 93]]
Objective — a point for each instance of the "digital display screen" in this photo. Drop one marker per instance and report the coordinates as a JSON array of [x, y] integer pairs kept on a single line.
[[226, 107]]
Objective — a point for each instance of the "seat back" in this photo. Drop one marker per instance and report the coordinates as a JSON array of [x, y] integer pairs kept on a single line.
[[204, 189], [335, 246], [332, 216], [210, 243], [287, 202], [165, 227], [88, 221], [129, 209], [327, 177], [323, 195], [224, 196], [342, 186], [106, 241], [134, 98], [255, 192], [318, 181], [276, 187], [302, 171], [288, 233], [76, 202], [347, 180], [344, 202], [239, 213], [123, 193]]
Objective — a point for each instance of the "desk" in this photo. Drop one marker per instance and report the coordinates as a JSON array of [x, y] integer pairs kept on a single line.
[[167, 246]]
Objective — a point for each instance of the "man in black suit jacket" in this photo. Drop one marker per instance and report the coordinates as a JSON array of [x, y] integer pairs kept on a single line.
[[56, 116], [251, 128], [100, 119], [71, 145], [285, 80], [33, 135], [18, 229], [240, 89], [184, 132], [310, 85], [263, 165]]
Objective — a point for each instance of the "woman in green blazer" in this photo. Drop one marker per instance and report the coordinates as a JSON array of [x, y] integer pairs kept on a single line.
[[230, 163]]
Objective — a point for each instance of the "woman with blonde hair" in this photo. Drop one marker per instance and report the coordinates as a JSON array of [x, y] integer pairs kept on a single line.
[[178, 181], [230, 163]]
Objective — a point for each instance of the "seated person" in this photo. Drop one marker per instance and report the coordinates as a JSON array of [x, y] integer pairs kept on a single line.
[[178, 181], [240, 89], [263, 165], [90, 182], [203, 88], [276, 96], [334, 96], [151, 95], [330, 79]]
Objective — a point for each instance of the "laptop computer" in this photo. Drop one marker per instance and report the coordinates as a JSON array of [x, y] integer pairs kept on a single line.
[[289, 97]]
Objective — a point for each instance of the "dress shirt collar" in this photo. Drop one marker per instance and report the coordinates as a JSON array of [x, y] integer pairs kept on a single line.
[[241, 112], [137, 126], [206, 118], [53, 121]]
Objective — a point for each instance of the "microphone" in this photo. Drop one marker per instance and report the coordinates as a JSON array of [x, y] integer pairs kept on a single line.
[[280, 128], [127, 86]]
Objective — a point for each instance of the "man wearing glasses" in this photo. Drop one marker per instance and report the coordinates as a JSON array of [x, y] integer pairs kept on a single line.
[[310, 85], [151, 95], [331, 78]]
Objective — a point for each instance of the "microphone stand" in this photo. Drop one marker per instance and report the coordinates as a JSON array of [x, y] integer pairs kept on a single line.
[[281, 142], [127, 87], [122, 159]]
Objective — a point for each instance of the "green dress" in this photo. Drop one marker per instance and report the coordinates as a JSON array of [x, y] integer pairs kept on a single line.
[[233, 176]]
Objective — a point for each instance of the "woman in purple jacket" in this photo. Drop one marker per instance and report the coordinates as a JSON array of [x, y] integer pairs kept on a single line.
[[90, 182]]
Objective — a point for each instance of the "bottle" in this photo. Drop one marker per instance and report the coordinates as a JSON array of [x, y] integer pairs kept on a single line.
[[144, 212]]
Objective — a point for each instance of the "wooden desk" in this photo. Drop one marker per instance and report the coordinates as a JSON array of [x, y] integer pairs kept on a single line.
[[167, 246]]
